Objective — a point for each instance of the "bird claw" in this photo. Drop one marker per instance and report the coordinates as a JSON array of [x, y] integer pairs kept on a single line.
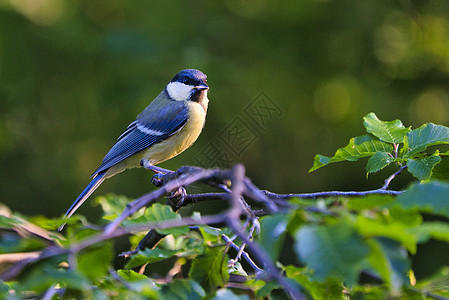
[[157, 179], [177, 197]]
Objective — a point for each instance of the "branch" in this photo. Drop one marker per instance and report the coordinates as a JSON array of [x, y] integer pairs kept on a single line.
[[244, 255], [241, 187], [380, 191], [389, 179], [238, 188]]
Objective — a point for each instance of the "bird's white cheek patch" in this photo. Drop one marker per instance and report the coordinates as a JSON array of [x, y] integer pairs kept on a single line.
[[179, 91]]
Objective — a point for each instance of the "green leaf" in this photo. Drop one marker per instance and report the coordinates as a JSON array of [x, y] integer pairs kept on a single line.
[[8, 223], [436, 230], [94, 263], [378, 161], [441, 170], [368, 202], [114, 205], [320, 161], [182, 290], [139, 282], [437, 284], [357, 148], [429, 197], [379, 261], [237, 269], [158, 213], [272, 234], [331, 289], [149, 256], [390, 132], [44, 276], [227, 294], [210, 269], [332, 250], [427, 135], [380, 227], [422, 168], [398, 260], [266, 290]]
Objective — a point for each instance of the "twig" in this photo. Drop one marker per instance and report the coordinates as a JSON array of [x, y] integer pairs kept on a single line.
[[262, 256], [331, 194], [16, 257], [50, 293], [244, 255], [389, 179], [137, 204], [255, 223], [255, 193], [238, 188]]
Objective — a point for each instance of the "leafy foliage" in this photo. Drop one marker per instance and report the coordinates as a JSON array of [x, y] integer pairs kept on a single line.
[[390, 142], [334, 250], [335, 243]]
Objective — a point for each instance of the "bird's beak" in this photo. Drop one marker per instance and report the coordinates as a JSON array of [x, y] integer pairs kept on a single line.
[[201, 87]]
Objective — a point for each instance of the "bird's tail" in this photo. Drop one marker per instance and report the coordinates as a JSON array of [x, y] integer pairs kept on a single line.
[[91, 187]]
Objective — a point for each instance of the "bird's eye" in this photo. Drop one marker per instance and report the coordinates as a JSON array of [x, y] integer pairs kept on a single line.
[[186, 81]]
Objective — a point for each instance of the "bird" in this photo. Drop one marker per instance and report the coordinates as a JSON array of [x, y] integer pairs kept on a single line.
[[170, 124]]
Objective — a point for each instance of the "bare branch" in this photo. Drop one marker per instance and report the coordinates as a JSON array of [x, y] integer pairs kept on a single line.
[[262, 256], [244, 255], [331, 194], [389, 179]]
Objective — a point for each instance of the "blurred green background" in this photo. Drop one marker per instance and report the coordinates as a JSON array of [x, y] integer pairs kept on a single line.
[[74, 74]]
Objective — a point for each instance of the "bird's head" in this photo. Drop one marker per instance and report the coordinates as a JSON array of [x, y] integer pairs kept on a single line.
[[188, 85]]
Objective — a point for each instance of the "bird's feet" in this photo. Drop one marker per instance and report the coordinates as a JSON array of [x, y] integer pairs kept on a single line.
[[158, 179], [178, 196], [146, 164]]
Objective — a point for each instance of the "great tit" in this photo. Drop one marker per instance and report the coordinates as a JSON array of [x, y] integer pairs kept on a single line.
[[170, 124]]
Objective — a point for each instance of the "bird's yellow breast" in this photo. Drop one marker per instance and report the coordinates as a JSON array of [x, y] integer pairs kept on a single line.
[[170, 147], [179, 141]]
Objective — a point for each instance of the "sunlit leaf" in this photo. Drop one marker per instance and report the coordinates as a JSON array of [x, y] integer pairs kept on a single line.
[[210, 269], [114, 205], [380, 227], [357, 148], [422, 168], [94, 263], [139, 282], [149, 256], [368, 202], [427, 135], [390, 132], [158, 213], [320, 161], [378, 161], [332, 250]]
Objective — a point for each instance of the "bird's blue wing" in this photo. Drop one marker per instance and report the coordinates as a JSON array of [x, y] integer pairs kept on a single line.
[[144, 132]]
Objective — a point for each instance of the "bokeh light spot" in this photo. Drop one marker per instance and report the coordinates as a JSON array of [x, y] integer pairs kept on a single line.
[[332, 101], [42, 12], [430, 106]]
